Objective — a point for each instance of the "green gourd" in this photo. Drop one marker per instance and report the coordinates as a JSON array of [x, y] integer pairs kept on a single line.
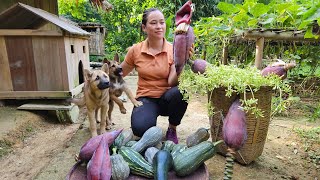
[[124, 137], [130, 143], [177, 149], [162, 164], [149, 154], [120, 168], [190, 159], [150, 138], [202, 134], [167, 145], [137, 164]]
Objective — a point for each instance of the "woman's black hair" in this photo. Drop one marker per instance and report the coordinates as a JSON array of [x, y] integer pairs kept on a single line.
[[145, 19], [146, 14]]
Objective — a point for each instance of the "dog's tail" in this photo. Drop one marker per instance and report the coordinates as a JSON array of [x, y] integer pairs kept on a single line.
[[77, 101]]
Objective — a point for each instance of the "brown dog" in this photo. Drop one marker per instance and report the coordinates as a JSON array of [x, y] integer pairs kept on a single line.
[[118, 86], [96, 97]]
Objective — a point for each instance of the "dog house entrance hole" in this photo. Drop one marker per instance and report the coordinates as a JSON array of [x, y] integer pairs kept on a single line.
[[80, 70]]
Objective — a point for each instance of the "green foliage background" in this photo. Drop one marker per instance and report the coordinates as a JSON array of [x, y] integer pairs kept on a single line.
[[215, 23], [124, 20]]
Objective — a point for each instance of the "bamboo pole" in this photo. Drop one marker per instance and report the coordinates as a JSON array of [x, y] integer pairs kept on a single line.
[[225, 55], [259, 52], [285, 36]]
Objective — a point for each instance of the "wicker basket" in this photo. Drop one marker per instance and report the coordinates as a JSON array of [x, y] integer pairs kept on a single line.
[[257, 128]]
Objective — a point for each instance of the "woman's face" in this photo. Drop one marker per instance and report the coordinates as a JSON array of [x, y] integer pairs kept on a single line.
[[155, 26]]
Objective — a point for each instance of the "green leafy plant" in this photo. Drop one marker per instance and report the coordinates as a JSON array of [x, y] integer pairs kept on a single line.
[[281, 106], [316, 113], [311, 140], [235, 80]]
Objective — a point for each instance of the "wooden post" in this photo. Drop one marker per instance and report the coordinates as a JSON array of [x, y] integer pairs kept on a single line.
[[259, 52], [204, 53], [225, 55]]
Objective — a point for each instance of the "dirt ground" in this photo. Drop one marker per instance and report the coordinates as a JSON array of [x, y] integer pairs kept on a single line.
[[45, 149]]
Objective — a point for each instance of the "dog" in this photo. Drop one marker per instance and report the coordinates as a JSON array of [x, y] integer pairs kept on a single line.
[[96, 98], [118, 86]]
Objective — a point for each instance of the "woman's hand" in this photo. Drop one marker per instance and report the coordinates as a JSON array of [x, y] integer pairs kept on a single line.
[[191, 50]]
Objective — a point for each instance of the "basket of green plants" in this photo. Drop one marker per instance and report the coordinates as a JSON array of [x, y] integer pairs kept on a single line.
[[223, 85]]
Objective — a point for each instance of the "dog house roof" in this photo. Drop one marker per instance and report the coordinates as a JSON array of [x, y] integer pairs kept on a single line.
[[22, 16]]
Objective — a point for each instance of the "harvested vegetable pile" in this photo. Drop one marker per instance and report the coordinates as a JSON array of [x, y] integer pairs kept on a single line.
[[148, 157]]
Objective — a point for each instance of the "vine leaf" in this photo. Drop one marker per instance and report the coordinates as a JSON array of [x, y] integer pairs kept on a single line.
[[268, 21], [309, 34], [252, 23], [240, 16], [227, 8], [308, 14], [259, 9]]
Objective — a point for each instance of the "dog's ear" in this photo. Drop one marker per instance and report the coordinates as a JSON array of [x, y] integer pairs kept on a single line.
[[87, 74], [116, 57], [105, 60], [105, 68]]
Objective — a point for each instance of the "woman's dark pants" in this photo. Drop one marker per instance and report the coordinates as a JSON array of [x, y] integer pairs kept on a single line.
[[170, 104]]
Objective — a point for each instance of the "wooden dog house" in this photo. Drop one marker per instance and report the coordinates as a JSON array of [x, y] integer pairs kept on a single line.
[[41, 55]]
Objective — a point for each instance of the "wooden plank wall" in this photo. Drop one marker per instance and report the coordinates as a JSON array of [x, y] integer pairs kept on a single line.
[[49, 26], [47, 5], [73, 59], [5, 75], [50, 63], [21, 62], [96, 43]]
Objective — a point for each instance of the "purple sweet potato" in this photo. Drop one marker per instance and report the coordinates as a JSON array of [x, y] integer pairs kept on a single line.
[[234, 126], [91, 145]]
